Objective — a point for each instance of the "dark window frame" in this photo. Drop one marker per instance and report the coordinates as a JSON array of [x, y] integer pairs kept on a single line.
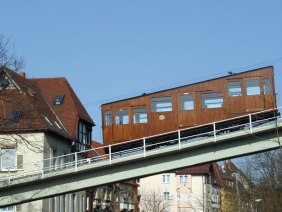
[[59, 99], [84, 135], [6, 82], [15, 116]]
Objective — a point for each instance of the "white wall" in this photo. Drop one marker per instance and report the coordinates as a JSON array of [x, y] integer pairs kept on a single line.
[[33, 148], [155, 183], [195, 188]]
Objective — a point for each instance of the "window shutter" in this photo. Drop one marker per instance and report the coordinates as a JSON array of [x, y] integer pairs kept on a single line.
[[19, 161]]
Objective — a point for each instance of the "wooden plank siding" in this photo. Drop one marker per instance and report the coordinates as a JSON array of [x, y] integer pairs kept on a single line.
[[247, 97]]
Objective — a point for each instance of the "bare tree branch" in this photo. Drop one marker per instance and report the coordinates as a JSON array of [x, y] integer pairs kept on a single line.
[[8, 57]]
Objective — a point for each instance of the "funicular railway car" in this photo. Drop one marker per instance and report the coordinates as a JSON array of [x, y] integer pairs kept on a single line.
[[188, 106]]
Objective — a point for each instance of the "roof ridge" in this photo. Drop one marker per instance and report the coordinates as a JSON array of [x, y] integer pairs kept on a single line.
[[44, 78]]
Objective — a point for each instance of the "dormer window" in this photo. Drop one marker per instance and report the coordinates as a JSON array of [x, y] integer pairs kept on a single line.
[[4, 82], [15, 116], [59, 100]]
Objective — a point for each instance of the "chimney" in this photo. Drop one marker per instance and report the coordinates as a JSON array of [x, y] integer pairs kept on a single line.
[[22, 74]]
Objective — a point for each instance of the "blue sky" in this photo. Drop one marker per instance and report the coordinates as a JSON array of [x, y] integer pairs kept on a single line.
[[114, 49]]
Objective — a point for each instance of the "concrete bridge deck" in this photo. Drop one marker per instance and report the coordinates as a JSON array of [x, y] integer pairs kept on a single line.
[[107, 169]]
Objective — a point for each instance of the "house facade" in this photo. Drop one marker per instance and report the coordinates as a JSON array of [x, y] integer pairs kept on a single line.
[[186, 190], [40, 119]]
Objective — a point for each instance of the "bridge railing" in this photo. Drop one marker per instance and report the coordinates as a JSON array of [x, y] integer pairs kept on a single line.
[[56, 165]]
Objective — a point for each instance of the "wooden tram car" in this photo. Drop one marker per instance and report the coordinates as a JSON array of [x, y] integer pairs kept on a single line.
[[188, 106]]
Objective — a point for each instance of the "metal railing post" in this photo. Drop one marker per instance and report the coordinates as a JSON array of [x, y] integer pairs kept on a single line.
[[144, 146], [179, 140], [9, 177], [75, 160], [214, 131], [42, 169], [250, 122], [110, 154]]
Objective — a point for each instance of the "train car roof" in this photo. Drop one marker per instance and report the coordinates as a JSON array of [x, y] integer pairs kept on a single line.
[[145, 94]]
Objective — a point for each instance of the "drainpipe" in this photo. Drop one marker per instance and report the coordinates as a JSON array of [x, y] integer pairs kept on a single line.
[[203, 182], [178, 199]]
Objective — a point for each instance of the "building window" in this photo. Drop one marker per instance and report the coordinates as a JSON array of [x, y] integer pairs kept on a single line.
[[15, 116], [122, 117], [5, 82], [186, 102], [267, 86], [166, 196], [166, 179], [8, 159], [161, 104], [59, 100], [183, 178], [234, 88], [212, 100], [252, 87], [8, 209], [108, 118], [84, 135], [139, 116]]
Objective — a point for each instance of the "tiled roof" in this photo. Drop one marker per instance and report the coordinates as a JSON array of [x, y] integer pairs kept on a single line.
[[36, 98], [209, 168], [200, 169], [97, 146], [71, 109], [36, 114]]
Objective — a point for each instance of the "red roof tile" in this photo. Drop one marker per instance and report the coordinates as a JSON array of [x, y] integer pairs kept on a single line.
[[200, 169], [36, 115], [36, 96], [71, 110]]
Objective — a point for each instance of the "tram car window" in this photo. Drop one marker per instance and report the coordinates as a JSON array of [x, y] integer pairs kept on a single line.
[[266, 86], [161, 104], [186, 102], [139, 116], [234, 88]]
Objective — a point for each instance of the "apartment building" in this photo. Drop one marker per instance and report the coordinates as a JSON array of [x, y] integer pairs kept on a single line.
[[186, 190]]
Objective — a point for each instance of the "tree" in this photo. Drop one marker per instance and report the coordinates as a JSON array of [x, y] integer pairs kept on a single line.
[[14, 110], [265, 173], [154, 201], [8, 57]]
